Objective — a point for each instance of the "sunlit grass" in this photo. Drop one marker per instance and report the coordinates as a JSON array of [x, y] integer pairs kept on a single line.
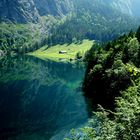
[[71, 49]]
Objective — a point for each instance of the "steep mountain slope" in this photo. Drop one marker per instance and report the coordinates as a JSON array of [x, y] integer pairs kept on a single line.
[[123, 6], [18, 11], [135, 8], [130, 7], [100, 20], [94, 19], [22, 11], [54, 7]]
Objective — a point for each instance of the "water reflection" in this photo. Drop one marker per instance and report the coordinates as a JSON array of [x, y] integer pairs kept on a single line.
[[39, 100]]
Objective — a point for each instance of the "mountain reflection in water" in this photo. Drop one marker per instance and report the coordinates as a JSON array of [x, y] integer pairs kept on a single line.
[[40, 100]]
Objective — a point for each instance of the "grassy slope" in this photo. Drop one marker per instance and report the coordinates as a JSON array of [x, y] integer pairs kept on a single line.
[[53, 52]]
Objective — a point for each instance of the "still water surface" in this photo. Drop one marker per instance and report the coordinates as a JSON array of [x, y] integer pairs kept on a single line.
[[40, 100]]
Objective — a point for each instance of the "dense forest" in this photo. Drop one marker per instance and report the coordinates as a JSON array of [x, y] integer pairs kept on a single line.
[[92, 23], [22, 38], [112, 85]]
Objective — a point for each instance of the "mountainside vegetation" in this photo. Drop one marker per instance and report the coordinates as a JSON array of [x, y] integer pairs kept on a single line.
[[112, 83], [74, 21], [23, 38], [18, 38], [93, 24], [113, 67], [24, 11]]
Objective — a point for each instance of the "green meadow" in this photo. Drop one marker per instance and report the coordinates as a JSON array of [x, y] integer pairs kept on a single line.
[[71, 50]]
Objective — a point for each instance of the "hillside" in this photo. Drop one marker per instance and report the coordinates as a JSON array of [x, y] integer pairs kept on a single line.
[[59, 22], [96, 20], [23, 11], [109, 66], [19, 11]]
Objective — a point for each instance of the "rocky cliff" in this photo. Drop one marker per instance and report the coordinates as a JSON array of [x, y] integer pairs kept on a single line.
[[22, 11], [129, 7], [18, 11], [54, 7]]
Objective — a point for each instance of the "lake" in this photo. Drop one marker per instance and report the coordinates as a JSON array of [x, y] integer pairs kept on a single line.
[[40, 100]]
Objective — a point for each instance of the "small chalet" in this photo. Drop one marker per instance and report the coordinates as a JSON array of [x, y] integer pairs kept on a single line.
[[62, 52]]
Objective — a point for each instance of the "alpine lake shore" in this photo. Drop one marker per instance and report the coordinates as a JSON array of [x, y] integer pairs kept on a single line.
[[64, 52]]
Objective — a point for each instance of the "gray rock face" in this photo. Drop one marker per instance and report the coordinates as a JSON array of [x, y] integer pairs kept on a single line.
[[18, 10], [54, 7], [22, 11], [136, 7], [129, 7]]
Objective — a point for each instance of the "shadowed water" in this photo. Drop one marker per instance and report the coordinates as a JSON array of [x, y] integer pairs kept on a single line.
[[40, 100]]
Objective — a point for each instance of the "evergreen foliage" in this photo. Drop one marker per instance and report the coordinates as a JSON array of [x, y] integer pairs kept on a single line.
[[108, 70], [20, 38], [91, 23], [113, 81]]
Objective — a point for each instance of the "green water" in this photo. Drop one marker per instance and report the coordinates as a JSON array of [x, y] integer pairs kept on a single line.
[[40, 100]]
